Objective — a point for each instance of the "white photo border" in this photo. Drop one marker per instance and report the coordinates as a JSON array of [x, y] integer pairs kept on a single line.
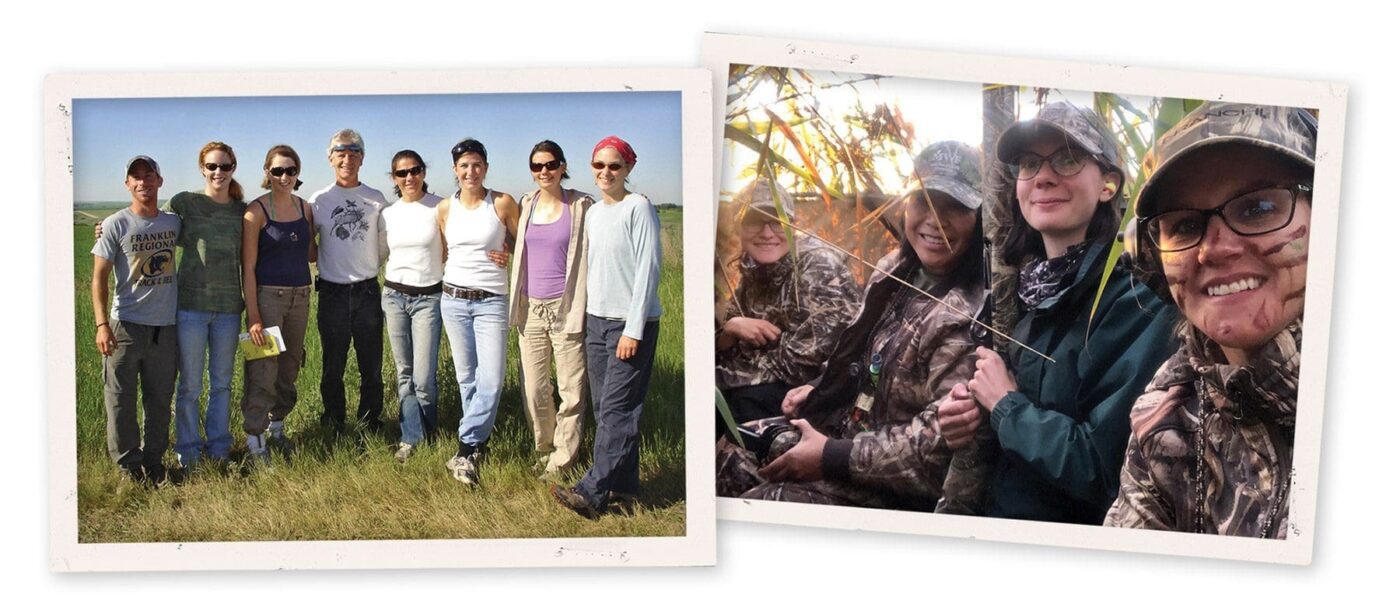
[[696, 547], [719, 51]]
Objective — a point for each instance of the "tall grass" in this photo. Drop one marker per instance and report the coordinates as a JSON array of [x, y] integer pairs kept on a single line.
[[348, 486]]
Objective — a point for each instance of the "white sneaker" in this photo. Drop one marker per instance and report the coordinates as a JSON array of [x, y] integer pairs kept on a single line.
[[464, 470], [404, 451]]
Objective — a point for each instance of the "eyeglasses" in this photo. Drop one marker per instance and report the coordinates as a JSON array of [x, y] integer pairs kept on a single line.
[[401, 173], [1064, 162], [225, 167], [549, 166], [1253, 213], [614, 167], [754, 223], [280, 171], [347, 148]]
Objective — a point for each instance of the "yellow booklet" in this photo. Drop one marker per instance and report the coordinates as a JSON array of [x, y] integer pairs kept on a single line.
[[273, 344]]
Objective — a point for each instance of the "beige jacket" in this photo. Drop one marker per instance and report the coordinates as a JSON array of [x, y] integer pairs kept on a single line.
[[572, 304]]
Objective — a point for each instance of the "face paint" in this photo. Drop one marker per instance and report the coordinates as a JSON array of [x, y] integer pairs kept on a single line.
[[1240, 291]]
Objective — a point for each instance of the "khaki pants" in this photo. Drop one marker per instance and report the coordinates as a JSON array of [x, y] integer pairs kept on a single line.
[[145, 358], [558, 433], [271, 388]]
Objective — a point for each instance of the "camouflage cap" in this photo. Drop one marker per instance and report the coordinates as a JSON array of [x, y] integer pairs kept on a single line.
[[1079, 125], [760, 193], [950, 167], [1291, 132]]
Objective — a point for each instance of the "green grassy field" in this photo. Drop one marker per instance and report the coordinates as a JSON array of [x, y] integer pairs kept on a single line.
[[349, 486]]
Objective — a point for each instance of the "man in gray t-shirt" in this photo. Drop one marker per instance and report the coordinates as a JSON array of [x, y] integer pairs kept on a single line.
[[137, 337]]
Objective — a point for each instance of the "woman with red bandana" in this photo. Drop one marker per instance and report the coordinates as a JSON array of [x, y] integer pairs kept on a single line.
[[1212, 438], [622, 324]]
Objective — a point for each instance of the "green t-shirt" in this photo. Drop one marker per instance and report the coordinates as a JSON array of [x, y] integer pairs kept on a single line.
[[211, 241]]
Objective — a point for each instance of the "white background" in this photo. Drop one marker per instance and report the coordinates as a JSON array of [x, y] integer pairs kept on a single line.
[[1358, 515]]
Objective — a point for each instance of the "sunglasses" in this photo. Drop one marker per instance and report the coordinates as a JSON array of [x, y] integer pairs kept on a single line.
[[614, 167], [549, 166], [280, 171], [225, 167], [418, 170], [347, 148], [471, 147]]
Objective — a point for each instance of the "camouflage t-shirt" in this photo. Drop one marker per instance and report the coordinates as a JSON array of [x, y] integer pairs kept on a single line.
[[211, 240]]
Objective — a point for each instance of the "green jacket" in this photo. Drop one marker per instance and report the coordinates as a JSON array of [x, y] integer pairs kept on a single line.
[[1064, 432]]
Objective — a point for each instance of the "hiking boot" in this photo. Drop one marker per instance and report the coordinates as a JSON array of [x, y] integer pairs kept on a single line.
[[404, 451], [573, 500], [464, 469]]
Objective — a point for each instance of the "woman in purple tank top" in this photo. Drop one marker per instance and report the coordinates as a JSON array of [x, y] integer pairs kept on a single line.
[[277, 247], [546, 307]]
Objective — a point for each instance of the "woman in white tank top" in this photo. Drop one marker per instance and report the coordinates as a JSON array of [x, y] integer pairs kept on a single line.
[[410, 237], [475, 223]]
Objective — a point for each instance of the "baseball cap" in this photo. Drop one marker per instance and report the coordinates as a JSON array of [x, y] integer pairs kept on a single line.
[[760, 193], [1079, 125], [1289, 131], [950, 167], [150, 162]]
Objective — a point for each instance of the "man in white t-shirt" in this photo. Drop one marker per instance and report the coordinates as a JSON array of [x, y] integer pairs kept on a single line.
[[347, 285]]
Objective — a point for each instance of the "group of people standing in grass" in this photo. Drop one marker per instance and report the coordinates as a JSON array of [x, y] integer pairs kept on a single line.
[[1158, 395], [577, 277]]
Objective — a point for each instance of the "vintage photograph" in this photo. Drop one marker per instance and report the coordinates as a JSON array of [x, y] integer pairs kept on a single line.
[[404, 314], [1021, 302]]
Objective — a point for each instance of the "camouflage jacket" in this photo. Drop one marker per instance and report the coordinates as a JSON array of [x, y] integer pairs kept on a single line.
[[1247, 416], [926, 348], [810, 303]]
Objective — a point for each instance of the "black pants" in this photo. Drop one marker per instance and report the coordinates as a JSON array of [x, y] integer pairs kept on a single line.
[[618, 388], [751, 403], [346, 314]]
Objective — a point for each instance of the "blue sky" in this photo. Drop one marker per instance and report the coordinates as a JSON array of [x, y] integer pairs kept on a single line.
[[108, 132]]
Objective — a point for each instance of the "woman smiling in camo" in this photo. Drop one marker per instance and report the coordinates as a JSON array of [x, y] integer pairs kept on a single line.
[[1225, 224]]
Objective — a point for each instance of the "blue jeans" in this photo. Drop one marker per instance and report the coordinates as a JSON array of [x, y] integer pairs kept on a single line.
[[618, 387], [216, 332], [415, 328], [476, 330]]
